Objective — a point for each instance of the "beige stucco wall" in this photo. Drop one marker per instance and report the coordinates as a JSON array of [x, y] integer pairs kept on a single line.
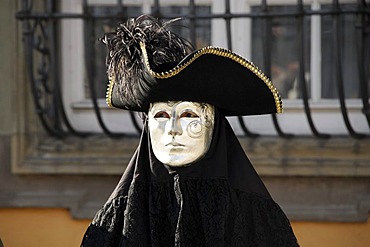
[[55, 227]]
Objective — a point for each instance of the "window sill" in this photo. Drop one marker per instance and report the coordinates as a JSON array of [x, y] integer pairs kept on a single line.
[[271, 156]]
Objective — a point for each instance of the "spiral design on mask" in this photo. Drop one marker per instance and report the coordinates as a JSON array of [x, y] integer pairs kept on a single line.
[[195, 129]]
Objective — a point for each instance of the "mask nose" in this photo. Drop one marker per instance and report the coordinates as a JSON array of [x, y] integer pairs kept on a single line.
[[175, 127]]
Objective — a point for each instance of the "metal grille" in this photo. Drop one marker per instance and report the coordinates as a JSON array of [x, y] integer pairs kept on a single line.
[[40, 32]]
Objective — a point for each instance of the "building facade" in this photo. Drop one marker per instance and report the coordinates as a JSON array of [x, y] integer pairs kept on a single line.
[[60, 143]]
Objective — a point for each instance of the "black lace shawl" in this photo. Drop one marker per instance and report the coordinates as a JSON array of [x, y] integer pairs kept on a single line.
[[218, 201]]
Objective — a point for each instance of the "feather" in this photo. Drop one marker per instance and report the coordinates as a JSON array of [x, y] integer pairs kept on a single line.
[[124, 59]]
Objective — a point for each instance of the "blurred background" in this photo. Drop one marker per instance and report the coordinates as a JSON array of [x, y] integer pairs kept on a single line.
[[63, 150]]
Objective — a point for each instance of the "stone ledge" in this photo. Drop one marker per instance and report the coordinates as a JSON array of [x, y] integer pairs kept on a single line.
[[307, 197], [307, 156]]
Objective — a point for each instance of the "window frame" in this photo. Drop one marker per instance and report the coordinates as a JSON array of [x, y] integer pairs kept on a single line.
[[324, 111]]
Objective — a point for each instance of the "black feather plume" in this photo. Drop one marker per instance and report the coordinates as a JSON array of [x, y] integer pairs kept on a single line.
[[124, 60]]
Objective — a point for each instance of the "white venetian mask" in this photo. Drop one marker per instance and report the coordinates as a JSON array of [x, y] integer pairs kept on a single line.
[[180, 131]]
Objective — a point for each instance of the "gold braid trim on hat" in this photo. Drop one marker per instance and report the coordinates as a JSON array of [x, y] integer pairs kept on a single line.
[[222, 53], [206, 50], [108, 96]]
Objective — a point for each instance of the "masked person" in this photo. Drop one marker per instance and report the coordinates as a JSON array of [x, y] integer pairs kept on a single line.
[[189, 182]]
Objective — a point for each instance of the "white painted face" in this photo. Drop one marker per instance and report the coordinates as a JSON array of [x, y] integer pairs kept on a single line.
[[180, 131]]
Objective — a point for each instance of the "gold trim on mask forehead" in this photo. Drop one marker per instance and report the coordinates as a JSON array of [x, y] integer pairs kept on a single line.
[[222, 53]]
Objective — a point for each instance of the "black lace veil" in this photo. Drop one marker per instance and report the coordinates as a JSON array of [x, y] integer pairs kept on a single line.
[[218, 201]]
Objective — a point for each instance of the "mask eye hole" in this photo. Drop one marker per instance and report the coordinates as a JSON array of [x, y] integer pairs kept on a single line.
[[162, 114], [189, 114]]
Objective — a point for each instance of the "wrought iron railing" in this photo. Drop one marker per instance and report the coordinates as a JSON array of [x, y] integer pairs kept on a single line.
[[40, 33]]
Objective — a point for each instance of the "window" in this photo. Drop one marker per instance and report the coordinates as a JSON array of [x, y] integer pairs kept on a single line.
[[348, 52], [248, 36], [280, 34]]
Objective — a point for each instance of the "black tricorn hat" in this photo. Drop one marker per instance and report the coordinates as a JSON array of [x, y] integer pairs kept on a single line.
[[147, 63]]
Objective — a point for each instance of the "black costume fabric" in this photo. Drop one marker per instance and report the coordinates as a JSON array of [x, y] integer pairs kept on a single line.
[[217, 201]]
